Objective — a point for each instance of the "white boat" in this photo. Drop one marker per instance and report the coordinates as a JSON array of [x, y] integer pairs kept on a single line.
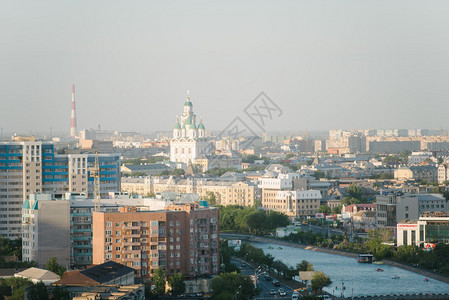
[[395, 277]]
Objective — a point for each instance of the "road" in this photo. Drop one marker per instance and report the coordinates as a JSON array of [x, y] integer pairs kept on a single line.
[[262, 283], [322, 230]]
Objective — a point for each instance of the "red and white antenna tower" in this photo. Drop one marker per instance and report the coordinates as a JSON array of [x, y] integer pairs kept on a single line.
[[73, 115]]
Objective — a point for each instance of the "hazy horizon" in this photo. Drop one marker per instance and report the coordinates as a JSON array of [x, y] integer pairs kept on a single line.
[[349, 64]]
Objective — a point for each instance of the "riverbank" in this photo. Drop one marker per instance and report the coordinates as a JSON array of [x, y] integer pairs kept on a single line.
[[410, 268]]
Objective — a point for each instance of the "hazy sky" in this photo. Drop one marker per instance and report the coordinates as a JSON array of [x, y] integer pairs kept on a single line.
[[327, 64]]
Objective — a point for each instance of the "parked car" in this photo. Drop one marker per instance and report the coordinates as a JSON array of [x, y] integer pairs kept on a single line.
[[295, 295], [282, 292], [273, 292]]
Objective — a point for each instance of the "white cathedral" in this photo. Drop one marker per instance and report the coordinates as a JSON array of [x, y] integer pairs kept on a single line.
[[189, 141]]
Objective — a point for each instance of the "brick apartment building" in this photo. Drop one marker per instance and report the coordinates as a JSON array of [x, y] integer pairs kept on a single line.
[[181, 239]]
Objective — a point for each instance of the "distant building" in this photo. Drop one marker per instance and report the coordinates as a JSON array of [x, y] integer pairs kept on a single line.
[[147, 169], [289, 194], [443, 173], [232, 192], [393, 146], [426, 173], [419, 157], [182, 239], [207, 162], [189, 141]]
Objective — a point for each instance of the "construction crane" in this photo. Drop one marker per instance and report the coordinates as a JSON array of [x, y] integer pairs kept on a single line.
[[95, 173]]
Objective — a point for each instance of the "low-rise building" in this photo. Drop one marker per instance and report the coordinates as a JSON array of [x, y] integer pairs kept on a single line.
[[426, 173], [431, 228], [233, 192], [37, 275], [147, 169]]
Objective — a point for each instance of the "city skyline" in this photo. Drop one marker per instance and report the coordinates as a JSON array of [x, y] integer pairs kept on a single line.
[[358, 65]]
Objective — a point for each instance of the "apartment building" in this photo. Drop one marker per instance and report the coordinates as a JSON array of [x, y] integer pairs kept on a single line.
[[35, 167], [46, 230], [181, 239], [396, 207], [443, 173], [48, 223]]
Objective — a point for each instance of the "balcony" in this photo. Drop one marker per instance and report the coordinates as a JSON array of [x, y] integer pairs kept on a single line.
[[131, 227], [131, 243], [130, 235], [132, 251]]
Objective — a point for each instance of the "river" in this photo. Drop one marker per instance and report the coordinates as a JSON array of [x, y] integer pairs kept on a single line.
[[358, 279]]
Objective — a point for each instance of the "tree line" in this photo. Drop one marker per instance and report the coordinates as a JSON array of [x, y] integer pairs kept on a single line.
[[250, 219]]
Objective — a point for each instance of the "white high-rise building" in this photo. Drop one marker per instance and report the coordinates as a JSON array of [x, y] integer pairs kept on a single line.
[[189, 140]]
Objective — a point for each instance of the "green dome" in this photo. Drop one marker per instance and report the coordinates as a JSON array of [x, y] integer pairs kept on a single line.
[[188, 103], [177, 126], [188, 121], [201, 126]]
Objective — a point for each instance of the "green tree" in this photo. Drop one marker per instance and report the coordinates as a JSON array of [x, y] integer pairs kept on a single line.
[[385, 176], [177, 284], [249, 158], [276, 219], [211, 198], [355, 191], [337, 209], [289, 155], [53, 266], [38, 292], [60, 293], [14, 287], [324, 209], [233, 286], [404, 156], [392, 159], [304, 266], [159, 281], [319, 174], [319, 281]]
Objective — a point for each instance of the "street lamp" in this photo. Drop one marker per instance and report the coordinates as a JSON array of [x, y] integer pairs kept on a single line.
[[257, 273], [235, 295]]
